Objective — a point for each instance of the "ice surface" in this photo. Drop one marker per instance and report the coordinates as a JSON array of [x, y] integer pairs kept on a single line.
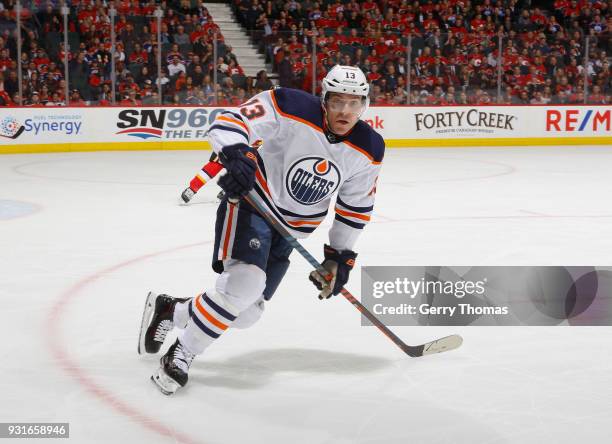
[[98, 230]]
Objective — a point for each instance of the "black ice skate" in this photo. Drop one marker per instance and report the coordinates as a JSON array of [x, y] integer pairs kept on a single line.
[[156, 321], [174, 368], [187, 195]]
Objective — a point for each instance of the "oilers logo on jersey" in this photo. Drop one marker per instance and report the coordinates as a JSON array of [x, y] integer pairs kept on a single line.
[[312, 179]]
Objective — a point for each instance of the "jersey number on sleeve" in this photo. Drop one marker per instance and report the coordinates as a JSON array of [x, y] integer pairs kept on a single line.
[[252, 109]]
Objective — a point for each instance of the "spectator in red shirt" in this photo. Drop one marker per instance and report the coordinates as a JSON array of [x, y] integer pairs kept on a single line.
[[40, 59], [564, 86], [572, 10], [234, 69], [130, 99], [477, 24], [374, 75], [425, 59], [222, 100], [538, 18], [138, 55], [534, 79], [5, 59], [437, 98], [477, 58], [430, 23], [596, 97], [5, 99], [368, 6], [75, 98]]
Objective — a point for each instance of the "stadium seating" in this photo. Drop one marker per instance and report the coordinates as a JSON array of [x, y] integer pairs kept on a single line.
[[414, 52]]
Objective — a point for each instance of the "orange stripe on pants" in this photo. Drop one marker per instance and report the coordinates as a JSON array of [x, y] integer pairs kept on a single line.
[[228, 231]]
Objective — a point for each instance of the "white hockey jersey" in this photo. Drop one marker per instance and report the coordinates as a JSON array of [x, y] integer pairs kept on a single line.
[[299, 170]]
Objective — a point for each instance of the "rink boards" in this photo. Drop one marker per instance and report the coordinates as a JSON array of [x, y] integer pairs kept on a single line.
[[61, 129]]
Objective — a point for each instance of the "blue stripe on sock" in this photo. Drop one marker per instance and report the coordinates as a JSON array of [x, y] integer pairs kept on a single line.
[[350, 223], [204, 328], [227, 315], [200, 324]]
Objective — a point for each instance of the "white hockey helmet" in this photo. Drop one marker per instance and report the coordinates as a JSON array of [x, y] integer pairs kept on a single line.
[[346, 80]]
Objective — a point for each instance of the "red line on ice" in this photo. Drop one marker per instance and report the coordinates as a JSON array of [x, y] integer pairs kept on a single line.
[[70, 365]]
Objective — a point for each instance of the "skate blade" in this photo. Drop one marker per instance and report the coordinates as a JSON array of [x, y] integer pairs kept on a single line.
[[147, 314], [165, 383]]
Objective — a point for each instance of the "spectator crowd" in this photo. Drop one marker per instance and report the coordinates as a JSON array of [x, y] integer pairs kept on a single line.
[[418, 52]]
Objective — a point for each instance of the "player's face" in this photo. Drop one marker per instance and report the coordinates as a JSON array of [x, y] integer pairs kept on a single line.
[[343, 112]]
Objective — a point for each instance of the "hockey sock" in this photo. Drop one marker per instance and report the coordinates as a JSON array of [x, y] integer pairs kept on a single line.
[[209, 317], [210, 170]]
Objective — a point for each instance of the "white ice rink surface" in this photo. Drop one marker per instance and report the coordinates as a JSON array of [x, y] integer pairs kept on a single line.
[[106, 228]]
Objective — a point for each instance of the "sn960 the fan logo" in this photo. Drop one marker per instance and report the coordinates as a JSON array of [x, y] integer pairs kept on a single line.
[[312, 179]]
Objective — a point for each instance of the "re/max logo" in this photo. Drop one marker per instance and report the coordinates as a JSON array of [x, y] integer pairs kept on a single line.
[[577, 120]]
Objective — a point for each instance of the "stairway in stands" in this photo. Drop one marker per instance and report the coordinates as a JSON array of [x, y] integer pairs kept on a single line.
[[246, 53]]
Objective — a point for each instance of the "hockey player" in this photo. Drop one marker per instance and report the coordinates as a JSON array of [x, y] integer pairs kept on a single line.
[[313, 149], [210, 170]]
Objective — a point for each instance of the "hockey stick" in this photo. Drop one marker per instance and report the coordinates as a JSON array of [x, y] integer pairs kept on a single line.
[[17, 134], [446, 343]]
